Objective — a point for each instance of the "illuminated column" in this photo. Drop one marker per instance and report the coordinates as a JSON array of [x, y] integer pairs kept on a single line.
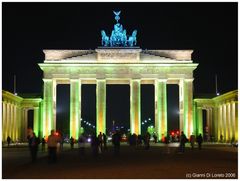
[[8, 120], [11, 121], [208, 123], [36, 121], [54, 98], [4, 120], [161, 108], [14, 125], [186, 104], [220, 124], [18, 135], [48, 107], [224, 122], [199, 121], [75, 107], [135, 106], [215, 123], [236, 119], [228, 122], [101, 106], [25, 123]]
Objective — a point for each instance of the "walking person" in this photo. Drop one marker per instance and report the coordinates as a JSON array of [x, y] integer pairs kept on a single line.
[[52, 147], [8, 140], [81, 144], [43, 144], [72, 142], [116, 138], [192, 140], [95, 145], [183, 140], [200, 140], [104, 141], [33, 146], [147, 141], [100, 140]]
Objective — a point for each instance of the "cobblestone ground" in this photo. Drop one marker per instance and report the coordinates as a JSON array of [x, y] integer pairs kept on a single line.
[[213, 161]]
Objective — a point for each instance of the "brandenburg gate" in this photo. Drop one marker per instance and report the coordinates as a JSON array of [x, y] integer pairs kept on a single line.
[[118, 61]]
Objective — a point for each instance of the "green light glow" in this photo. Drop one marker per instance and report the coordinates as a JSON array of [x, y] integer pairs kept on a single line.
[[135, 106], [75, 108], [47, 107], [200, 121], [36, 121], [101, 106], [161, 108]]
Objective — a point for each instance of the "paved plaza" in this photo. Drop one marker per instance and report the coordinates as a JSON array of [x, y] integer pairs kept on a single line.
[[213, 161]]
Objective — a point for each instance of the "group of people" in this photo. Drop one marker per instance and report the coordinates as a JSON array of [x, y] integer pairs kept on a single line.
[[193, 139], [137, 140]]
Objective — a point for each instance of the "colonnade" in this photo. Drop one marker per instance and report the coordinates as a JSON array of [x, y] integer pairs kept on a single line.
[[15, 116], [185, 101], [221, 117]]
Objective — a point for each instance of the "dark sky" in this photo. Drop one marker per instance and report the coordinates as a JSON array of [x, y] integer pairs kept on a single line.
[[210, 29]]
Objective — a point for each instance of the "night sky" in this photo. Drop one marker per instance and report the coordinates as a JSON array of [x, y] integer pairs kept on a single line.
[[210, 29]]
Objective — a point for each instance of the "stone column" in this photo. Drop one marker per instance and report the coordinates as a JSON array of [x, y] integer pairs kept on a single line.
[[228, 122], [224, 122], [135, 106], [75, 107], [236, 119], [36, 121], [25, 124], [215, 123], [8, 120], [186, 104], [220, 125], [208, 123], [161, 108], [48, 107], [101, 106], [4, 120], [232, 114], [18, 122], [14, 125], [199, 121], [11, 122]]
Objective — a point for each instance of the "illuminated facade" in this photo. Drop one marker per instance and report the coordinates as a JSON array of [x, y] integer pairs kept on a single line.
[[132, 66], [15, 116], [221, 116]]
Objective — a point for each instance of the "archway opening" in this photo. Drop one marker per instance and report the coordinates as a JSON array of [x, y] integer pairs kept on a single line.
[[147, 109], [118, 109], [205, 128], [173, 111], [63, 109], [88, 108], [30, 116]]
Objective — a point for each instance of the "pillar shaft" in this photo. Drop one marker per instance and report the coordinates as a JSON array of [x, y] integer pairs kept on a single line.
[[36, 121], [4, 120], [224, 122], [48, 107], [11, 121], [186, 104], [161, 108], [101, 106], [75, 107], [220, 130], [199, 121], [135, 106], [228, 122], [14, 124]]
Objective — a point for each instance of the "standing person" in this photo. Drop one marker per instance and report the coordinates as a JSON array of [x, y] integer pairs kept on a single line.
[[94, 145], [147, 141], [221, 138], [116, 138], [33, 146], [43, 143], [155, 138], [100, 140], [166, 139], [52, 147], [104, 141], [192, 140], [183, 140], [200, 140], [8, 140], [61, 142], [72, 142], [81, 144]]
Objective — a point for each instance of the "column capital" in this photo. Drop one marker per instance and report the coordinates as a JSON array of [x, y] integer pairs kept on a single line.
[[47, 80], [188, 80], [160, 80]]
